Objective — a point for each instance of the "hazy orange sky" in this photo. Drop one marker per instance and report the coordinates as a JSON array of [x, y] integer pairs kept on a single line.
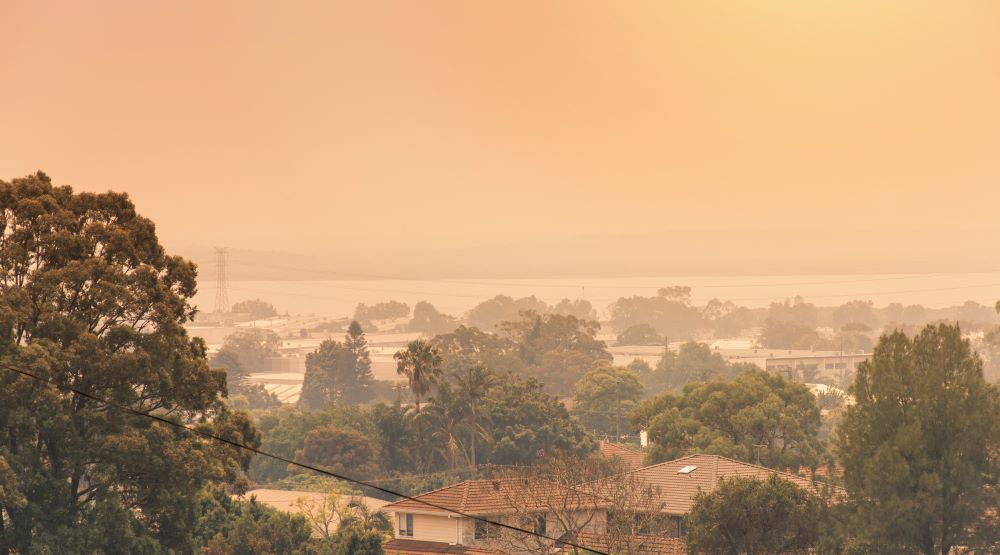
[[446, 125]]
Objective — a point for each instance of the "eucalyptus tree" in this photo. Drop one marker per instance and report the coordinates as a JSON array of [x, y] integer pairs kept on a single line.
[[90, 300]]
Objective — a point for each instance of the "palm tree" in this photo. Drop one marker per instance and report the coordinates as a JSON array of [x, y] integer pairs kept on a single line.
[[364, 519], [422, 365], [444, 417], [473, 387]]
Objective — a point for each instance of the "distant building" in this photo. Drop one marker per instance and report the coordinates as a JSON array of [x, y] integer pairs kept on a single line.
[[828, 363]]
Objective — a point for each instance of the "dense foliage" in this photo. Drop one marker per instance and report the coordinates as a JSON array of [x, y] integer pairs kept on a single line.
[[89, 299], [429, 321], [693, 362], [919, 446], [389, 310], [760, 517], [338, 372], [640, 334], [670, 313], [755, 417], [605, 396], [554, 348], [256, 308]]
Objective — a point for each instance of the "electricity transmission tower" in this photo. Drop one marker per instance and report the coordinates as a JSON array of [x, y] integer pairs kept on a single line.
[[221, 280]]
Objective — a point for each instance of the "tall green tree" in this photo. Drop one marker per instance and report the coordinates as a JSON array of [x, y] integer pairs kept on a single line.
[[249, 527], [423, 366], [692, 363], [605, 396], [754, 517], [555, 348], [526, 422], [90, 299], [361, 360], [443, 419], [473, 385], [340, 450], [338, 372], [919, 446], [757, 417]]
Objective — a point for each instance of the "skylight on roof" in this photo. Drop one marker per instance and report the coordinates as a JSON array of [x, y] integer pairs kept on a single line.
[[687, 469]]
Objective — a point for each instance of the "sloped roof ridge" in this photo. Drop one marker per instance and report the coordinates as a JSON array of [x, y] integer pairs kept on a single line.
[[463, 484], [640, 469], [776, 471], [465, 496], [623, 448], [717, 457]]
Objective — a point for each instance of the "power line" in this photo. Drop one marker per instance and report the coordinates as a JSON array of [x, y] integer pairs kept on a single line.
[[256, 451], [634, 287], [734, 299], [361, 276]]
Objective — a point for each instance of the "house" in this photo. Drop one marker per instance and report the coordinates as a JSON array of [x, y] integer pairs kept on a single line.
[[443, 520], [679, 481]]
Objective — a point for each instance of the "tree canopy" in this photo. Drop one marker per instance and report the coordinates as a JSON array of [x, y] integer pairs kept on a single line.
[[429, 321], [756, 417], [670, 313], [756, 517], [252, 347], [693, 362], [526, 421], [91, 300], [338, 372], [256, 308], [605, 396], [919, 445], [555, 348], [488, 314], [640, 334], [346, 452], [388, 310]]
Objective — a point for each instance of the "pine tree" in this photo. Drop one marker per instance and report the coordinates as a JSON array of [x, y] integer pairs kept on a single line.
[[919, 446]]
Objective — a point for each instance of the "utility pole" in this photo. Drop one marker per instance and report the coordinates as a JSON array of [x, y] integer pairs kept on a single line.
[[618, 411], [221, 279]]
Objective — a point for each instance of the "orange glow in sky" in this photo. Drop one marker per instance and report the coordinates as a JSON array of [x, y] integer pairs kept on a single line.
[[473, 123]]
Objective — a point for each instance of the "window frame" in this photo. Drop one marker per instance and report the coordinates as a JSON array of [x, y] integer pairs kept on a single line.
[[404, 525]]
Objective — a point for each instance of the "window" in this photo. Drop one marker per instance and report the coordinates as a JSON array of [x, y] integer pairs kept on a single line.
[[486, 530], [643, 525], [405, 521], [540, 525], [678, 526]]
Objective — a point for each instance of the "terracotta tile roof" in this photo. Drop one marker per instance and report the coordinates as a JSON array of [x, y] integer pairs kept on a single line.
[[631, 459], [680, 480], [490, 497], [417, 547], [657, 545]]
